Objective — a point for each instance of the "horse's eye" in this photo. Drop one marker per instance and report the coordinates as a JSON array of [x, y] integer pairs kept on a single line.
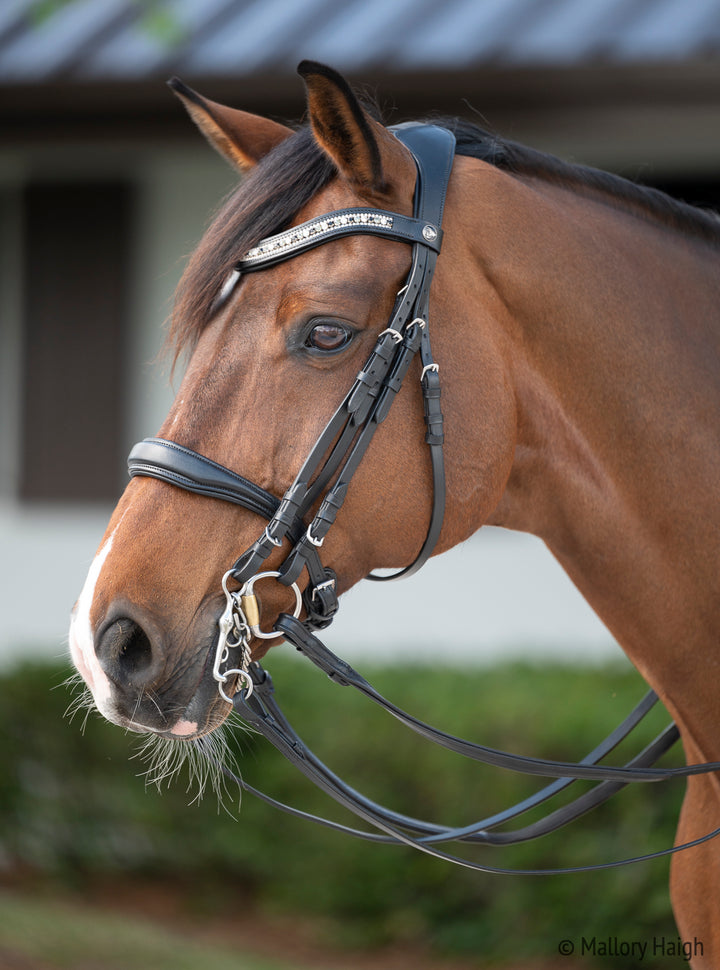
[[328, 337]]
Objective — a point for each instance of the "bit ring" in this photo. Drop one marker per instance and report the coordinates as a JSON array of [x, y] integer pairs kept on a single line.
[[243, 675], [247, 590]]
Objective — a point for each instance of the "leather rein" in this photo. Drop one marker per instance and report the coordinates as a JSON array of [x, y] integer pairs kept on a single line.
[[325, 477]]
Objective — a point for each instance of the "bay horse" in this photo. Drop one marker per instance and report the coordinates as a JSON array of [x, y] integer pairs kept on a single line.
[[576, 325]]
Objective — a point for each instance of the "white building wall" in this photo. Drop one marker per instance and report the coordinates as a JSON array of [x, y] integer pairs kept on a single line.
[[499, 595]]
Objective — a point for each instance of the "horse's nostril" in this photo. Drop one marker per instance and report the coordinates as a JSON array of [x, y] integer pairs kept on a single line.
[[125, 651], [135, 651]]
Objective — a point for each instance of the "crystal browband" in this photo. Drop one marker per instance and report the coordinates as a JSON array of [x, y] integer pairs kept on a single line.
[[315, 230], [344, 222]]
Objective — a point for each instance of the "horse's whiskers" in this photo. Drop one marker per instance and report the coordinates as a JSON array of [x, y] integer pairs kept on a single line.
[[82, 700], [206, 759]]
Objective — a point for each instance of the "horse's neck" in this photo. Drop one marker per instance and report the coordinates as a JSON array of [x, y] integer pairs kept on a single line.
[[614, 361]]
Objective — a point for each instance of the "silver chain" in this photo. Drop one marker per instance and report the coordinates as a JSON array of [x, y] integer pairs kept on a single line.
[[234, 634], [236, 630]]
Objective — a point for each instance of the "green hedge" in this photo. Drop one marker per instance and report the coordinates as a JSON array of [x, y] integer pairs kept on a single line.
[[72, 805]]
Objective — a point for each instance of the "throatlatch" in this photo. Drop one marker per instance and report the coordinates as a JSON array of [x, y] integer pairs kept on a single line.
[[326, 476]]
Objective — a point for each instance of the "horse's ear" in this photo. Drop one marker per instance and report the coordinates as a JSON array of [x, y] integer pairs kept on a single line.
[[242, 138], [363, 150]]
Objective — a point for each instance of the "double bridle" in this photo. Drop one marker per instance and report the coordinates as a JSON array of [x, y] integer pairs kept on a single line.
[[324, 478]]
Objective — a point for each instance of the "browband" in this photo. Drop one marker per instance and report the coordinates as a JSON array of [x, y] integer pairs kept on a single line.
[[342, 222]]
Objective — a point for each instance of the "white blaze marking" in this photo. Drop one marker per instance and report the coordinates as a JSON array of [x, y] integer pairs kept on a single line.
[[82, 651], [82, 646]]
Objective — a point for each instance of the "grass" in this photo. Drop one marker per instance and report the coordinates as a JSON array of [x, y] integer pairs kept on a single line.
[[61, 936]]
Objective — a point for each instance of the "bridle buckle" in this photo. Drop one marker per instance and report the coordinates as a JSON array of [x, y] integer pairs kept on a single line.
[[328, 584], [311, 538]]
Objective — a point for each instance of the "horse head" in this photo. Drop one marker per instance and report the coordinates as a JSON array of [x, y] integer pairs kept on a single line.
[[271, 355], [574, 320]]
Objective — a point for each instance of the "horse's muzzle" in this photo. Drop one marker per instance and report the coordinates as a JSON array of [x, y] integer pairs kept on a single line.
[[155, 689]]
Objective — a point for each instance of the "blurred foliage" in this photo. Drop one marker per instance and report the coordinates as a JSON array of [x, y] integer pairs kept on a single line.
[[73, 807]]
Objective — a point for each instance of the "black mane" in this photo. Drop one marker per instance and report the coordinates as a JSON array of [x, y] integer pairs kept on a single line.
[[264, 202], [516, 159], [287, 179]]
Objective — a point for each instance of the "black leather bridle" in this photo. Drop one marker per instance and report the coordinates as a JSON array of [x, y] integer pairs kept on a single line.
[[340, 448], [324, 478]]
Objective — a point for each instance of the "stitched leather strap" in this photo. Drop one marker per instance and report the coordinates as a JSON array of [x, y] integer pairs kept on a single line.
[[434, 157], [262, 712], [172, 463], [341, 222]]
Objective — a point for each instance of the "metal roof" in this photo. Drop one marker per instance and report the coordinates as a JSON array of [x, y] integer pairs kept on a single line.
[[132, 40]]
